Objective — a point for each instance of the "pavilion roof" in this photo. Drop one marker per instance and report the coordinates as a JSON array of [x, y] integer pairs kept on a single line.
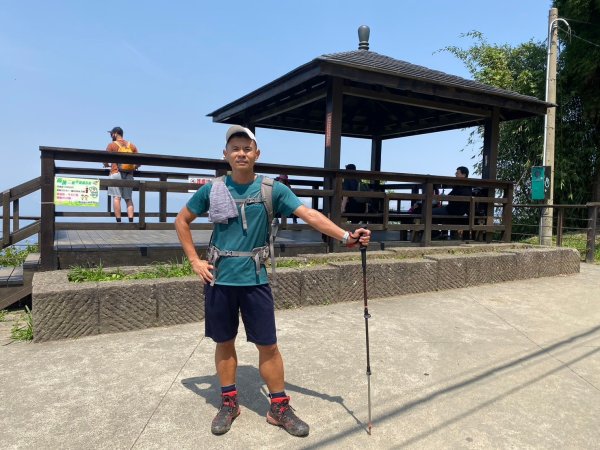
[[382, 96]]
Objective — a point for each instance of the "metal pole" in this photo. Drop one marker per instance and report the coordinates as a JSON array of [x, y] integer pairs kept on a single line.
[[363, 255], [591, 233], [550, 120]]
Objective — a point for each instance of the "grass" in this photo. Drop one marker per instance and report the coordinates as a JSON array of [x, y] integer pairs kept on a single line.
[[79, 274], [14, 256], [23, 332], [578, 241], [3, 314], [290, 263]]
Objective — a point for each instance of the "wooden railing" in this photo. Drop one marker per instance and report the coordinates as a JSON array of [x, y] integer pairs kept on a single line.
[[582, 226], [318, 184], [11, 201]]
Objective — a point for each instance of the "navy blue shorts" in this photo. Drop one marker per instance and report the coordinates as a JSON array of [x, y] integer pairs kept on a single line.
[[222, 307]]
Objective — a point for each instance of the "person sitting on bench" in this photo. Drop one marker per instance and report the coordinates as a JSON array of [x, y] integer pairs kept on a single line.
[[458, 208], [353, 205]]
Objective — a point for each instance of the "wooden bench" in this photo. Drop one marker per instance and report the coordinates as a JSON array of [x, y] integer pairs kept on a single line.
[[451, 223]]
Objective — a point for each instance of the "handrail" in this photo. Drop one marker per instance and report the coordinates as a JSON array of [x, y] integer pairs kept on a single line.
[[11, 201], [324, 184]]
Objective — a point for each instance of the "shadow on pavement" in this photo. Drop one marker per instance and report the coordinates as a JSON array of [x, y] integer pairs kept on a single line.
[[252, 392]]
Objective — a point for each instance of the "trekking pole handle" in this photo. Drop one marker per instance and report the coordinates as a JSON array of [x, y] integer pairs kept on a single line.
[[362, 246]]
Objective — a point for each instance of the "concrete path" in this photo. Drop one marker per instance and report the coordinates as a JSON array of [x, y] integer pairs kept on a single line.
[[512, 365]]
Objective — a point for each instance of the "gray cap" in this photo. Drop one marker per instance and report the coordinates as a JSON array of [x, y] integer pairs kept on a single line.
[[239, 129]]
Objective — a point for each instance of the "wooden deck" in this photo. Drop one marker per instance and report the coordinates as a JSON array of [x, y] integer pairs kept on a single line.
[[141, 247]]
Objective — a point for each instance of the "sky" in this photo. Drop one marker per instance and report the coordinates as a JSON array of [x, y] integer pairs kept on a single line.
[[70, 70]]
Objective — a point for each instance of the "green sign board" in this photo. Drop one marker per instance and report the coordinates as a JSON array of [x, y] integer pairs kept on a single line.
[[540, 182], [76, 192]]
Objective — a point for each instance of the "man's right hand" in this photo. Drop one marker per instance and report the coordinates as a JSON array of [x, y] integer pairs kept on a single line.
[[203, 269]]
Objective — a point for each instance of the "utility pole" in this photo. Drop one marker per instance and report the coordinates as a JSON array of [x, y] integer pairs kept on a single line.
[[549, 126]]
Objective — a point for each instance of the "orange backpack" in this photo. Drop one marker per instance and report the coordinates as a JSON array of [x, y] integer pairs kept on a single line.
[[125, 167]]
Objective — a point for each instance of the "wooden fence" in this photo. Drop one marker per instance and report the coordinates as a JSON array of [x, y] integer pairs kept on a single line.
[[321, 185]]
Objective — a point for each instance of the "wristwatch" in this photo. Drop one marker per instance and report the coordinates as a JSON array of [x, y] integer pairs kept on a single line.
[[345, 237]]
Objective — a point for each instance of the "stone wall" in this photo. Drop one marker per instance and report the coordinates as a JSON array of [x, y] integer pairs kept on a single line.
[[62, 309]]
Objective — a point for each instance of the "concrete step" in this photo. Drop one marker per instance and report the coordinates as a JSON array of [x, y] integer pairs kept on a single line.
[[62, 309], [15, 284], [32, 262], [11, 276]]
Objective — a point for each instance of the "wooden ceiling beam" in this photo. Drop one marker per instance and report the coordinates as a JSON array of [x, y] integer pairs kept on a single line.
[[412, 101], [289, 105]]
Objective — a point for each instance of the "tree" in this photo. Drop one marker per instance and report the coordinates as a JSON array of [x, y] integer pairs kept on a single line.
[[523, 69], [520, 69], [579, 85]]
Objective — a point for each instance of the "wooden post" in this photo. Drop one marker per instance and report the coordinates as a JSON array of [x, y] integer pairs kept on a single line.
[[376, 154], [333, 135], [336, 213], [108, 202], [427, 211], [5, 218], [507, 213], [47, 224], [16, 219], [386, 211], [162, 202], [142, 208], [559, 227], [591, 233], [489, 169], [491, 137]]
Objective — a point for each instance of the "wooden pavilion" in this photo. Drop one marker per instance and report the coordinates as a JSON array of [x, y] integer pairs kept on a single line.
[[363, 94]]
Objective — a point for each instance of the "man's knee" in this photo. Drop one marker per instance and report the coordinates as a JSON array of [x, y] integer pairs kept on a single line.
[[230, 344], [268, 350]]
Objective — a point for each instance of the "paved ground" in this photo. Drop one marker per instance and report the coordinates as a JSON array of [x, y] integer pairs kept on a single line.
[[513, 365]]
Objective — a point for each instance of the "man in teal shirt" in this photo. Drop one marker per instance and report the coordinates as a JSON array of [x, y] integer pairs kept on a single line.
[[233, 284]]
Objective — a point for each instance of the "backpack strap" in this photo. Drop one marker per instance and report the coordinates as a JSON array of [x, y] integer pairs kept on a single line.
[[259, 255], [266, 192], [127, 145]]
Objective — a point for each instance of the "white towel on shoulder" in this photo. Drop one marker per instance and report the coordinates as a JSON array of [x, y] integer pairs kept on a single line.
[[222, 205]]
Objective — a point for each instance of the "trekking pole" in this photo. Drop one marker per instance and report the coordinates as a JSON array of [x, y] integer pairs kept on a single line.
[[363, 255]]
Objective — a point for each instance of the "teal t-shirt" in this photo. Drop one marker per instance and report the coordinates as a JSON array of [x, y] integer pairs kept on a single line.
[[240, 270]]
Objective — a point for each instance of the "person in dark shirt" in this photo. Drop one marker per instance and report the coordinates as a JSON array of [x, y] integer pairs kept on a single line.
[[456, 208], [283, 178], [350, 204]]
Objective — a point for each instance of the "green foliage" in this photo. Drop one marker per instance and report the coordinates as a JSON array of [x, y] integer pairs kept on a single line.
[[23, 332], [522, 68], [79, 274], [578, 241], [295, 264], [580, 54], [3, 314], [14, 256]]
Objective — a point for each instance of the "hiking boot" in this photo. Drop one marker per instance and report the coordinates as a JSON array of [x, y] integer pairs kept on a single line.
[[228, 411], [282, 415]]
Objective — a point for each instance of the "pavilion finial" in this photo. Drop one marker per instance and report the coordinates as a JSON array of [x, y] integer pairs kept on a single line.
[[363, 37]]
